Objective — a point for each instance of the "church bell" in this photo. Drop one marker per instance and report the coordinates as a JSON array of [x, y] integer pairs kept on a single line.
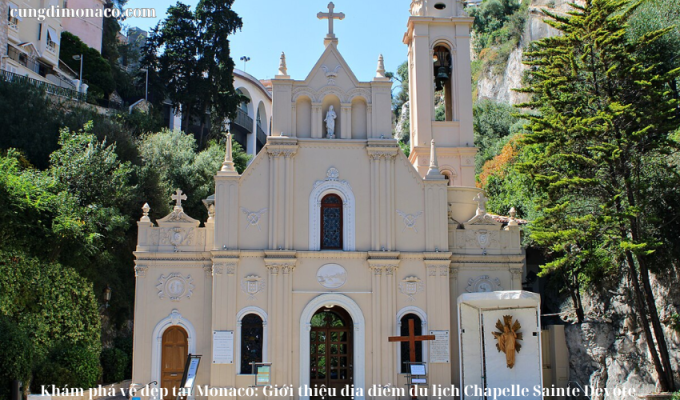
[[442, 78]]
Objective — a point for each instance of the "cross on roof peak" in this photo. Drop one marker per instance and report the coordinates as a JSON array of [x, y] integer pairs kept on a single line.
[[331, 16], [178, 197]]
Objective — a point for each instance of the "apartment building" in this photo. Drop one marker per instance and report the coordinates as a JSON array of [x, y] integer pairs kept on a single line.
[[89, 30], [33, 46]]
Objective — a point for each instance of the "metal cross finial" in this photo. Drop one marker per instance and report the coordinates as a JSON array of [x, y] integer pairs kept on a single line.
[[178, 197], [331, 16]]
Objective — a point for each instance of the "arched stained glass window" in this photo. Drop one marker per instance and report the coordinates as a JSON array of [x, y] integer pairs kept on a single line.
[[405, 350], [331, 222], [252, 334]]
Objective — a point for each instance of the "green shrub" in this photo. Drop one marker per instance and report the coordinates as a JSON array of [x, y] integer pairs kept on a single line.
[[68, 365], [114, 363], [16, 357], [125, 345]]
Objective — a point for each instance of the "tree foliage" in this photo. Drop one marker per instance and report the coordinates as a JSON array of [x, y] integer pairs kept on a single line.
[[189, 55], [96, 70], [16, 356], [603, 117], [175, 158]]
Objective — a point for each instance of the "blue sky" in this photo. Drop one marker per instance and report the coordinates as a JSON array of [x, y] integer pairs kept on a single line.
[[370, 28]]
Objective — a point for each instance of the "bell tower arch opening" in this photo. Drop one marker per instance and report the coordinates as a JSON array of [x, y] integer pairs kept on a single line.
[[442, 62]]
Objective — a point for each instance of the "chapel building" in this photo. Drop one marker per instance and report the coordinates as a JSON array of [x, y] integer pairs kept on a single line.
[[332, 240]]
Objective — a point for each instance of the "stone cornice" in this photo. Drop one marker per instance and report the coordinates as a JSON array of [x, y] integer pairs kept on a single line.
[[487, 259], [143, 256]]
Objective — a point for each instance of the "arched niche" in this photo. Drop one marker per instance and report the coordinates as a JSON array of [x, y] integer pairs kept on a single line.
[[303, 117], [442, 57], [328, 101], [359, 118]]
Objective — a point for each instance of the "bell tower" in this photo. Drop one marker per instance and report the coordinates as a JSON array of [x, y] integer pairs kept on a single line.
[[438, 39]]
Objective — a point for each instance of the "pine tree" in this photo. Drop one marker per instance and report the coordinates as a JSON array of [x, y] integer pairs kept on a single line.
[[602, 117]]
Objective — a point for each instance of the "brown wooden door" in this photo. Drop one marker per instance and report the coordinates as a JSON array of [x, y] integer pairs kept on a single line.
[[173, 358], [331, 349]]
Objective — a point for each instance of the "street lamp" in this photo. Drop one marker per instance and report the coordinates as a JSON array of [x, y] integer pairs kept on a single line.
[[146, 90], [107, 295], [80, 58], [245, 59]]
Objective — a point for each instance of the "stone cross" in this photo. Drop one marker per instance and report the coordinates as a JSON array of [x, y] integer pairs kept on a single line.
[[331, 17], [178, 197]]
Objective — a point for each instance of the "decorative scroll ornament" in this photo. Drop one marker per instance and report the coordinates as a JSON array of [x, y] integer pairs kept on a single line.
[[410, 220], [177, 237], [483, 284], [331, 74], [506, 338], [253, 217], [175, 286], [252, 285], [411, 286]]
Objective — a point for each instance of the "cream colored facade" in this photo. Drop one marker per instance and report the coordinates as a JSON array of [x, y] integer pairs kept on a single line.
[[415, 233], [33, 46]]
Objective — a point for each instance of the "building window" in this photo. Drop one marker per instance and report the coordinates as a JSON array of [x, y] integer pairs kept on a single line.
[[52, 40], [405, 346], [252, 335], [331, 222]]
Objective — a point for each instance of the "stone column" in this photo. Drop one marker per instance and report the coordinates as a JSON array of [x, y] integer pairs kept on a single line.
[[293, 117]]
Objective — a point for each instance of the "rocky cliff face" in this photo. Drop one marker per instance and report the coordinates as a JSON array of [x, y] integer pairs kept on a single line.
[[609, 350], [500, 87]]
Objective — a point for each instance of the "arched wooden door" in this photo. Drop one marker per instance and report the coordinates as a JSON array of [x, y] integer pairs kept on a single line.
[[173, 358], [331, 350]]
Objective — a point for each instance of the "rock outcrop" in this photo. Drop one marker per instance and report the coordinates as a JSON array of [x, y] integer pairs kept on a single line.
[[499, 87]]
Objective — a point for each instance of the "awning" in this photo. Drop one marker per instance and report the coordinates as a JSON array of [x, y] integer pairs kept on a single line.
[[14, 6], [52, 34]]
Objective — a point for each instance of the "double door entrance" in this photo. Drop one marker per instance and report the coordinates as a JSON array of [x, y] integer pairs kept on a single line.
[[331, 348]]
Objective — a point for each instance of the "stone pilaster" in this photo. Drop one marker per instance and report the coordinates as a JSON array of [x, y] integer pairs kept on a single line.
[[225, 289], [438, 309], [384, 267], [280, 266], [281, 152], [383, 209]]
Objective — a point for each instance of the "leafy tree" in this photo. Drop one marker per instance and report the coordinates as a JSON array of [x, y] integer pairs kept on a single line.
[[653, 15], [493, 124], [174, 156], [68, 366], [96, 70], [216, 22], [33, 127], [50, 302], [604, 117], [16, 356], [189, 54]]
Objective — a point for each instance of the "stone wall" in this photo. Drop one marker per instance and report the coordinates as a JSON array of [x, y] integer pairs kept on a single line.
[[4, 5]]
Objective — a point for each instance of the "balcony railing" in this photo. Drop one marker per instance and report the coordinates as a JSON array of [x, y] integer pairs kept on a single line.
[[261, 136], [49, 88], [244, 121]]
